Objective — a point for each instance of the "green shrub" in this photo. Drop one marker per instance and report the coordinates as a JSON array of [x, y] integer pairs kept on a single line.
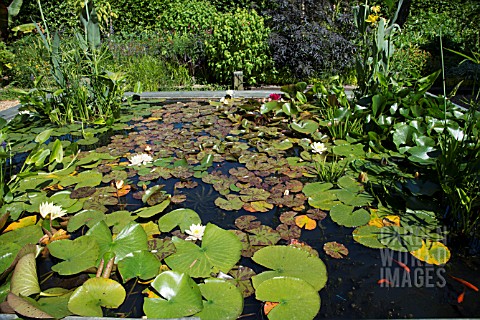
[[30, 62], [409, 60], [187, 17], [6, 61], [238, 42]]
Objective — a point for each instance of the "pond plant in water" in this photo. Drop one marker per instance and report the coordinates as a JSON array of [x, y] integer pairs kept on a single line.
[[86, 233]]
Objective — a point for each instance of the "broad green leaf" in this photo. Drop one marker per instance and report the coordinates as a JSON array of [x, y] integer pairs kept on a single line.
[[297, 299], [56, 305], [22, 236], [432, 252], [220, 250], [287, 261], [26, 307], [88, 299], [180, 296], [43, 136], [305, 126], [89, 178], [354, 199], [119, 219], [148, 212], [85, 217], [130, 239], [349, 184], [141, 264], [57, 152], [368, 236], [8, 252], [24, 279], [183, 218], [223, 300], [282, 145], [399, 239], [345, 216], [79, 254]]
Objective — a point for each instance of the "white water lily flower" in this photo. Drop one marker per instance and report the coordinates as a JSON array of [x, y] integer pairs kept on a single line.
[[318, 147], [141, 158], [195, 232], [48, 208]]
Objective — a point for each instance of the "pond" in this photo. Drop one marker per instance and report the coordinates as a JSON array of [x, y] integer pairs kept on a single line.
[[236, 170]]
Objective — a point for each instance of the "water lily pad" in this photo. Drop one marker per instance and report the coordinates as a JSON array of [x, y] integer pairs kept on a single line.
[[282, 145], [247, 222], [335, 250], [297, 299], [56, 305], [141, 264], [79, 254], [350, 184], [399, 239], [368, 236], [83, 192], [8, 252], [288, 232], [311, 189], [130, 239], [254, 194], [148, 212], [88, 178], [180, 296], [258, 206], [22, 236], [349, 150], [345, 216], [119, 220], [432, 252], [288, 261], [354, 199], [230, 204], [85, 218], [263, 236], [154, 195], [304, 221], [183, 218], [242, 280], [88, 299], [161, 248], [220, 250], [26, 307], [24, 280], [305, 126], [223, 300]]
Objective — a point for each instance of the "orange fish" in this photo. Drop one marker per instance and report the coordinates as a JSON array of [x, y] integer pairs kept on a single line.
[[465, 283], [403, 265], [461, 296], [384, 281]]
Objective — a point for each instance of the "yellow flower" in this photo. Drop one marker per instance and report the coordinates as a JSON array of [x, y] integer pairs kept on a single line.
[[372, 18], [375, 9]]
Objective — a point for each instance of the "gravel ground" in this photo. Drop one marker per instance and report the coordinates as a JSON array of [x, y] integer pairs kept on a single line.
[[7, 104]]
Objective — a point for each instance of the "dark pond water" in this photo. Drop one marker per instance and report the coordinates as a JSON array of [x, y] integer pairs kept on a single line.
[[352, 290]]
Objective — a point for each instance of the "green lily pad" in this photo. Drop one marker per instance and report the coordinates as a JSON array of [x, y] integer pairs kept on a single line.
[[26, 307], [254, 194], [223, 300], [230, 204], [311, 189], [345, 216], [115, 175], [130, 239], [88, 178], [79, 254], [263, 236], [181, 296], [141, 264], [154, 195], [399, 239], [183, 218], [247, 222], [119, 220], [24, 280], [432, 252], [282, 145], [148, 212], [296, 298], [56, 305], [88, 299], [354, 199], [242, 280], [349, 150], [22, 236], [161, 248], [368, 236], [8, 252], [290, 262], [220, 250], [350, 184], [305, 126], [85, 218]]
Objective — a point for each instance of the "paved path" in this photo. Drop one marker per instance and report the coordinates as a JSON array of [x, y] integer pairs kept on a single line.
[[9, 114]]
